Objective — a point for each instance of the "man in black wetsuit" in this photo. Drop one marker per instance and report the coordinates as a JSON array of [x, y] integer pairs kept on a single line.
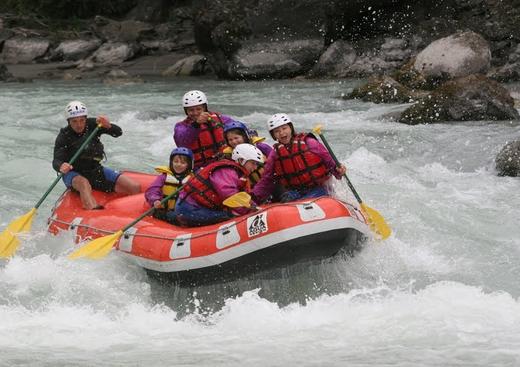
[[87, 173]]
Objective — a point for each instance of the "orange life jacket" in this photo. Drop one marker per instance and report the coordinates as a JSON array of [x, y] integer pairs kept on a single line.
[[200, 188], [296, 167], [209, 143]]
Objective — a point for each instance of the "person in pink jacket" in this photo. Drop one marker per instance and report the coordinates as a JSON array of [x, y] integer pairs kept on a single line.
[[298, 162], [201, 200]]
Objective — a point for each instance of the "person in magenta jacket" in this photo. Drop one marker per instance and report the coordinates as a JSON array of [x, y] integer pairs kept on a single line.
[[218, 180], [282, 130], [202, 131]]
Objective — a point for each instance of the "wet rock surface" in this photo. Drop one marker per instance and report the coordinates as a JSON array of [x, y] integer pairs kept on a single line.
[[508, 160], [458, 55], [242, 38], [470, 98]]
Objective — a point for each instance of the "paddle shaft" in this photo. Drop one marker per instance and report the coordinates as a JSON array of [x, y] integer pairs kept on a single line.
[[72, 160], [152, 209], [338, 164]]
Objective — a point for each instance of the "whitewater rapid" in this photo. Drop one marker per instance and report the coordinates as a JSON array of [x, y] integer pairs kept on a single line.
[[442, 290]]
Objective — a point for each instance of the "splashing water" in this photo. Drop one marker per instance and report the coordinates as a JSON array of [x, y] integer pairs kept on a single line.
[[442, 290]]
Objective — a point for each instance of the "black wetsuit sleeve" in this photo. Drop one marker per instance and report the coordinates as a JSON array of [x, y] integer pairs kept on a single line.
[[114, 131], [61, 152]]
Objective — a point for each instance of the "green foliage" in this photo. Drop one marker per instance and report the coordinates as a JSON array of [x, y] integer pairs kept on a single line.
[[68, 8]]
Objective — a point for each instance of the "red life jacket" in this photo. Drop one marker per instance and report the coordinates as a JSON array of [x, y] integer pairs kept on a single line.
[[296, 167], [203, 192], [209, 143]]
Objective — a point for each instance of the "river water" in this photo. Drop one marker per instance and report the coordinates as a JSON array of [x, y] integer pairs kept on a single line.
[[442, 290]]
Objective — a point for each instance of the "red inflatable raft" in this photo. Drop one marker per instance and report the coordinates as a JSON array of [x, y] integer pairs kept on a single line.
[[277, 235]]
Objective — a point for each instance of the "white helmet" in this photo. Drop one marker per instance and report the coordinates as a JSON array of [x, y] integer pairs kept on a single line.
[[194, 98], [247, 152], [277, 120], [75, 109]]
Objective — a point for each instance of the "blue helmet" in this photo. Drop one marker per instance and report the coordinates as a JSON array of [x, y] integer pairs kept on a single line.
[[182, 151], [234, 124]]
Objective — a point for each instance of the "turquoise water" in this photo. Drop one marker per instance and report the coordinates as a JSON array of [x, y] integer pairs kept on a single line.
[[443, 290]]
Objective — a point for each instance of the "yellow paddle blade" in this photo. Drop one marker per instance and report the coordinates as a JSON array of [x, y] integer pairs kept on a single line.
[[376, 222], [317, 129], [98, 248], [227, 150], [9, 242], [240, 199], [257, 139]]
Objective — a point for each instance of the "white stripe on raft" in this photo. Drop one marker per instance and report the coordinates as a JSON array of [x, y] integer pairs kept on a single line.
[[249, 246]]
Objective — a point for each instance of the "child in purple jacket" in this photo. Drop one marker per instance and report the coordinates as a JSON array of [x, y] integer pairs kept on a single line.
[[171, 180], [236, 132]]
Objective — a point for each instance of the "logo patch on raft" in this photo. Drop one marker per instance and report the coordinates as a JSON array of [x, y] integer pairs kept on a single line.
[[257, 224]]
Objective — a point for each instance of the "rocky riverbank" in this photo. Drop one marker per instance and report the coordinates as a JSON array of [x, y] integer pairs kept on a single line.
[[247, 39], [443, 56]]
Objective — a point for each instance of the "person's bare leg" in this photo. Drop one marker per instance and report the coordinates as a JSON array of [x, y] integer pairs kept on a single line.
[[126, 185], [82, 185]]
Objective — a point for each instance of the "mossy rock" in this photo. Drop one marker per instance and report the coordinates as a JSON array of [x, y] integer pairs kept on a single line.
[[382, 89], [470, 98], [410, 77]]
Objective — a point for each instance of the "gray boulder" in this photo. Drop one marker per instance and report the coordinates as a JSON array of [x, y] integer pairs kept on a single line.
[[508, 160], [455, 56], [188, 66], [342, 60], [258, 60], [335, 61], [113, 53], [19, 50], [222, 28], [73, 50]]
